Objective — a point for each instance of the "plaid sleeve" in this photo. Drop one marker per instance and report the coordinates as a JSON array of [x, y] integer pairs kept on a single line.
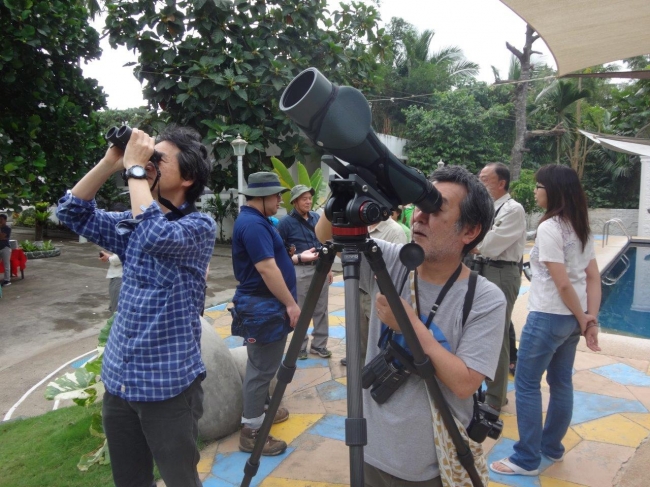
[[98, 226]]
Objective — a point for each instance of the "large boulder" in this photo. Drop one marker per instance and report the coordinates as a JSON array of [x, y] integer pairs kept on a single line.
[[222, 388]]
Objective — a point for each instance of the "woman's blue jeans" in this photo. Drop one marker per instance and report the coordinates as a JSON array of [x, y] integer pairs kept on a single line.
[[548, 343]]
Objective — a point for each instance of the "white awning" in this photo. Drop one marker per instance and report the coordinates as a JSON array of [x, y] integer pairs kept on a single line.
[[585, 33], [628, 145]]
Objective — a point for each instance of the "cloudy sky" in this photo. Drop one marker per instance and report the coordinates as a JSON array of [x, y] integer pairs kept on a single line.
[[479, 27]]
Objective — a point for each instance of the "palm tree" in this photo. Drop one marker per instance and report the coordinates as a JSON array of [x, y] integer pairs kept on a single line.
[[557, 100], [416, 52]]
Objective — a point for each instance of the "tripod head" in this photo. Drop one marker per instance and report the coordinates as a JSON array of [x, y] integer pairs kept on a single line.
[[355, 202]]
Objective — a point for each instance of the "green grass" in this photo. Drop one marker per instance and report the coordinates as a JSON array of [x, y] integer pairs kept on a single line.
[[44, 451]]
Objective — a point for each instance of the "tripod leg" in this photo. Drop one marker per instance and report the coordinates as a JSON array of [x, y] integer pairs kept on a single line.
[[355, 424], [288, 367]]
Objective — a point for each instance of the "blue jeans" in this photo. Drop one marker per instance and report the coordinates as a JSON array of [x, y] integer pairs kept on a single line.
[[548, 342]]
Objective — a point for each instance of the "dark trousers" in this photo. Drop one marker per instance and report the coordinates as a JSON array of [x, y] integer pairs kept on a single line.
[[508, 279], [166, 432], [373, 477]]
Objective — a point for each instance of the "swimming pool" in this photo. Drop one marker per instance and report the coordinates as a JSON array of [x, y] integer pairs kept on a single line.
[[625, 306]]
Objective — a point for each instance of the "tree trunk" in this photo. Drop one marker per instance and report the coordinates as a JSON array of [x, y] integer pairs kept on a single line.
[[576, 162], [521, 92], [38, 232]]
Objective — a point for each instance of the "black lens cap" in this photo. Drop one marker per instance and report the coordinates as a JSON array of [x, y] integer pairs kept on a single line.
[[411, 255]]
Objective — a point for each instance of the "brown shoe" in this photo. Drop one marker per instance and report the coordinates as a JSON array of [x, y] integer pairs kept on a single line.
[[248, 437], [281, 415]]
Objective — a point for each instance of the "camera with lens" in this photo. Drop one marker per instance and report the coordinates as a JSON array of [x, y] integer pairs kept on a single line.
[[387, 372], [476, 263], [485, 422], [290, 248]]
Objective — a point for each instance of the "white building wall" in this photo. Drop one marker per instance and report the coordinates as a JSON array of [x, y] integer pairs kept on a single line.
[[598, 217]]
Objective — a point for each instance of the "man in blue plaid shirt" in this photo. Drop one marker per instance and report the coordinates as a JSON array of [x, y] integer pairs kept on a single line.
[[152, 366]]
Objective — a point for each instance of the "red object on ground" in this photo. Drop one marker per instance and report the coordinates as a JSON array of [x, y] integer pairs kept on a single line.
[[18, 262]]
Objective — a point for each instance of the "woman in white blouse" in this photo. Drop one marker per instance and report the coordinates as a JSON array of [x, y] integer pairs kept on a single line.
[[563, 304]]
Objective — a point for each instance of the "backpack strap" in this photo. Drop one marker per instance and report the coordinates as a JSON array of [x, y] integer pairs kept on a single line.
[[469, 295]]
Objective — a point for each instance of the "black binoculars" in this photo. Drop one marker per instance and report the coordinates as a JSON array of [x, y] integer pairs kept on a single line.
[[119, 136]]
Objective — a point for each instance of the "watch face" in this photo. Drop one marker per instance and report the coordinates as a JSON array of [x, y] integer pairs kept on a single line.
[[137, 172]]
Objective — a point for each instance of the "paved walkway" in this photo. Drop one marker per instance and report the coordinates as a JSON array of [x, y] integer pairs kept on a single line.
[[611, 418]]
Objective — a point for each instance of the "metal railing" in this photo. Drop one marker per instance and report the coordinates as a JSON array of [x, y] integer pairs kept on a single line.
[[607, 280], [620, 225]]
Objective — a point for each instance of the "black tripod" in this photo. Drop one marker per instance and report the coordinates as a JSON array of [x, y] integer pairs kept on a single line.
[[350, 238]]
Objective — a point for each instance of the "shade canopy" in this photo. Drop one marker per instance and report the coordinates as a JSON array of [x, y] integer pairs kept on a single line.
[[585, 33], [617, 143]]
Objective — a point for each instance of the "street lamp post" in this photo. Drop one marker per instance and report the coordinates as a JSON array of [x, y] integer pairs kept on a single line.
[[239, 147]]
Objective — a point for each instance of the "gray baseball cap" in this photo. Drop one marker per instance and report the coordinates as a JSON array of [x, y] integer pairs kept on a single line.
[[263, 184], [299, 190]]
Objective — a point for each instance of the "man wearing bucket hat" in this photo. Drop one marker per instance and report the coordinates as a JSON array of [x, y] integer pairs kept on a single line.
[[265, 308], [298, 228]]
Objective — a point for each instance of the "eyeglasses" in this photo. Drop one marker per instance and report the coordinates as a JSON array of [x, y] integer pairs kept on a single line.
[[539, 186]]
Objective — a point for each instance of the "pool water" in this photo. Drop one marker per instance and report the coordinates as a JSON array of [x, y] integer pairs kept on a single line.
[[617, 314]]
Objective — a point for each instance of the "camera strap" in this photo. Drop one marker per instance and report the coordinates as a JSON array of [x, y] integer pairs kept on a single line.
[[388, 333], [445, 289]]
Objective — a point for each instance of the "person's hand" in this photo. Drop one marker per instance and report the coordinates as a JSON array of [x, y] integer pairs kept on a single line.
[[330, 277], [103, 256], [474, 251], [385, 314], [139, 149], [293, 311], [113, 159], [591, 336], [309, 255], [585, 320]]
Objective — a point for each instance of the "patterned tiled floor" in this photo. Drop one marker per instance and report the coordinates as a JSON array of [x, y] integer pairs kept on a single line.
[[610, 419]]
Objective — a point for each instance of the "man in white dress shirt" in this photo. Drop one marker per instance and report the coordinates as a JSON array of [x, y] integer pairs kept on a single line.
[[501, 250]]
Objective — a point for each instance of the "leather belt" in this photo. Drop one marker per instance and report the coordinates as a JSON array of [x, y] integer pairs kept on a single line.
[[501, 263]]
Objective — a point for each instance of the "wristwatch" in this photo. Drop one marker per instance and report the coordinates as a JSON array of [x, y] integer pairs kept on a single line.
[[135, 172]]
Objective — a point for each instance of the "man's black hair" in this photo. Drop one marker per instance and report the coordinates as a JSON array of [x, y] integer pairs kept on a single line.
[[477, 208], [502, 172], [4, 215], [192, 159]]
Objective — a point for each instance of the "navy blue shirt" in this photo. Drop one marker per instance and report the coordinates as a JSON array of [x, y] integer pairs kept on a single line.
[[255, 239], [296, 233], [7, 231]]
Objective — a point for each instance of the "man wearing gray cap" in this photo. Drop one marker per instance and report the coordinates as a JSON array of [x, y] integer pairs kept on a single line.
[[298, 228], [265, 308]]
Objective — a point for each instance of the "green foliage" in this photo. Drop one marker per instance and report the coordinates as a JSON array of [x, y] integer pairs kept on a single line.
[[28, 246], [221, 66], [314, 181], [26, 218], [457, 129], [48, 126], [221, 210], [84, 387], [44, 450], [523, 190], [413, 69]]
